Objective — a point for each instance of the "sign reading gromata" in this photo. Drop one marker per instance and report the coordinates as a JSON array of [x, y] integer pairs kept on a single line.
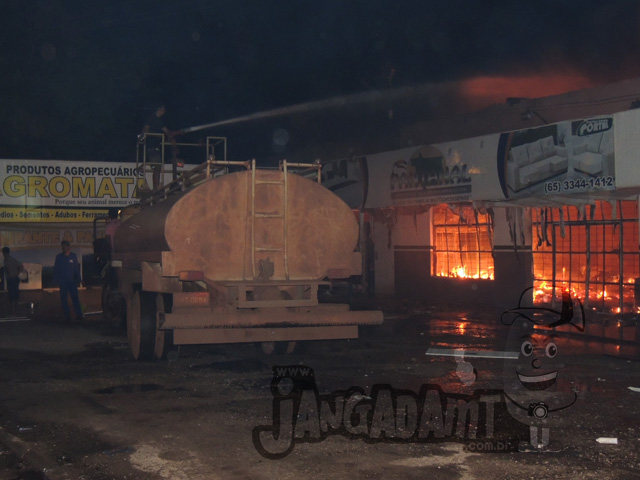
[[64, 191]]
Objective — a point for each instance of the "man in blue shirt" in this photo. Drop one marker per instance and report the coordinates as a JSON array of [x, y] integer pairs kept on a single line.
[[66, 273]]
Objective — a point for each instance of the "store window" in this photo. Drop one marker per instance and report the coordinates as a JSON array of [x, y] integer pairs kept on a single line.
[[462, 243], [592, 251]]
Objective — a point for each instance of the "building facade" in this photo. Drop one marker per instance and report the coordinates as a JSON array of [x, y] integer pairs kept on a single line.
[[543, 209]]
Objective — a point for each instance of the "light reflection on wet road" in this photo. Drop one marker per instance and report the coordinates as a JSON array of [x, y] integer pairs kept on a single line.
[[473, 332], [401, 343]]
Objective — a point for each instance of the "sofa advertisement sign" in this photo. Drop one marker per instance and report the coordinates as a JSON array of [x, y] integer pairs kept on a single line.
[[564, 158]]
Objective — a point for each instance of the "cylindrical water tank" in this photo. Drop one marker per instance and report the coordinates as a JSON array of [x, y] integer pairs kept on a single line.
[[214, 228]]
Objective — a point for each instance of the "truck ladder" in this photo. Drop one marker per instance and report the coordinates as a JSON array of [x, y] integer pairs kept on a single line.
[[265, 216]]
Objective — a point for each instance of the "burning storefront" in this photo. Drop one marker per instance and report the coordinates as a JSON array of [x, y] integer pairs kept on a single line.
[[482, 219], [591, 250]]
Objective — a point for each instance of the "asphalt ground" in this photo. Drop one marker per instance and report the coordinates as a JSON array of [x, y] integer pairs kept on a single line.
[[74, 405]]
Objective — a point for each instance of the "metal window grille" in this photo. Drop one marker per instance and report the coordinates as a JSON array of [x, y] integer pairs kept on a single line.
[[462, 243], [592, 251]]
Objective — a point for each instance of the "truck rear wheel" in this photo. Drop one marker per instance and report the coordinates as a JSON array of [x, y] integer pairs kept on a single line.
[[164, 338], [141, 324]]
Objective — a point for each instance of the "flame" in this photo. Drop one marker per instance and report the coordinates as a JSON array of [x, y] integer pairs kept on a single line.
[[461, 272], [544, 293], [611, 288]]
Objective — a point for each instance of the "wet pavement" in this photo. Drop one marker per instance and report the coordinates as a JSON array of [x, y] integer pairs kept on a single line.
[[73, 403]]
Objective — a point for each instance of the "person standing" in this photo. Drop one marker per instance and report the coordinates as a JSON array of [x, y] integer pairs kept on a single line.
[[66, 273], [154, 145], [12, 269]]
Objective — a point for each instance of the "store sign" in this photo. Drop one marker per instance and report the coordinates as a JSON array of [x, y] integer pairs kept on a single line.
[[451, 172], [587, 127], [346, 178], [571, 157], [63, 191], [576, 157], [427, 177]]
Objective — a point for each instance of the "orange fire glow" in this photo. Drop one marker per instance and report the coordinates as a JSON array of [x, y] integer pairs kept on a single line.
[[488, 90], [606, 276], [543, 293], [461, 272]]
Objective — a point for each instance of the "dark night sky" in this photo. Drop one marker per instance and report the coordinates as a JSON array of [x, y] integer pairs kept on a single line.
[[79, 77]]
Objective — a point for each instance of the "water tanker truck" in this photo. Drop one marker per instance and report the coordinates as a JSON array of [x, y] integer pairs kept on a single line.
[[231, 259]]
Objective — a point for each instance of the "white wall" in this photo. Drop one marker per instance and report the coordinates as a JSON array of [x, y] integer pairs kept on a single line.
[[501, 235], [413, 230], [384, 269], [627, 148]]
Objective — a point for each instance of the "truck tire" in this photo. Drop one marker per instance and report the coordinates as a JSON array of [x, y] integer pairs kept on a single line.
[[164, 338], [114, 308], [141, 324]]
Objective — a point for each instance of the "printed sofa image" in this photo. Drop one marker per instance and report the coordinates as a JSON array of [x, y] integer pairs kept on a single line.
[[535, 162], [593, 154]]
